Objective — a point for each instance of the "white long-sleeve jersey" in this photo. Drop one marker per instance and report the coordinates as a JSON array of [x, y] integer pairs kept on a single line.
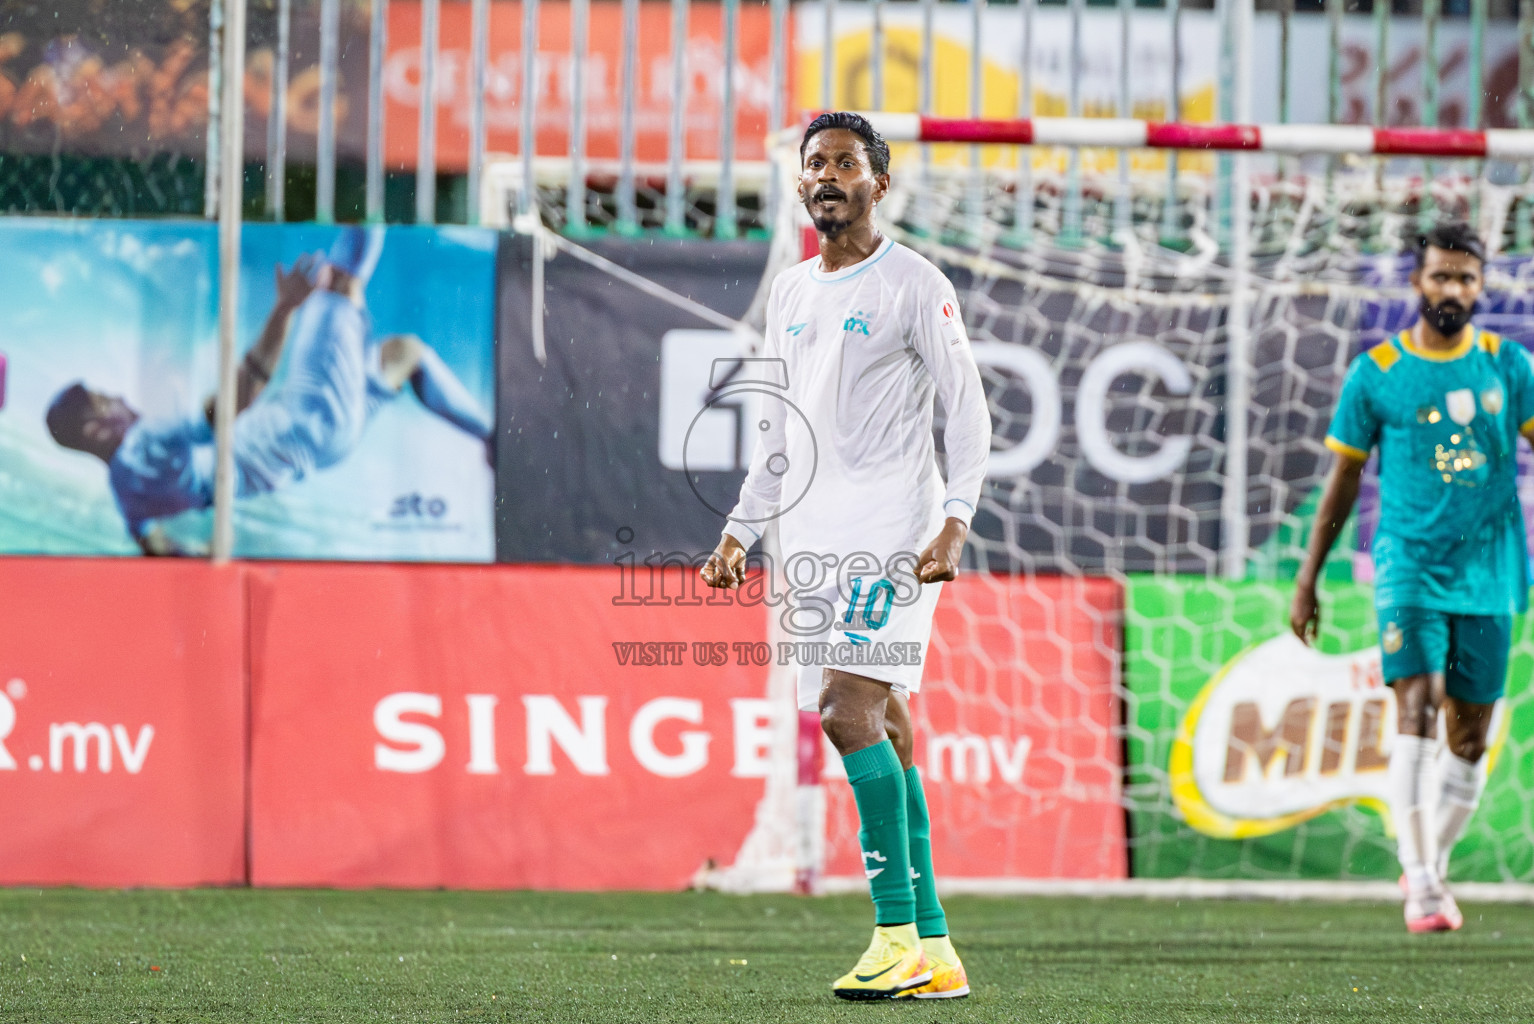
[[844, 459]]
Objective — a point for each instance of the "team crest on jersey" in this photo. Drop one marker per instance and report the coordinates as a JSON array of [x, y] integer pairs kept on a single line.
[[1491, 400], [1461, 406], [948, 311], [1392, 639]]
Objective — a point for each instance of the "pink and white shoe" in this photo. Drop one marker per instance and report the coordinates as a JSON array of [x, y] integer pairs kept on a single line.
[[1450, 911], [1427, 913]]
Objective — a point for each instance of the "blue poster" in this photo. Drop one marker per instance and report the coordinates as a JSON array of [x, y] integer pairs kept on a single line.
[[363, 426]]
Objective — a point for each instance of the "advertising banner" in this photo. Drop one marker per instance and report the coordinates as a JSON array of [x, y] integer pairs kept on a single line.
[[653, 92], [122, 723], [1001, 49], [1016, 734], [130, 78], [576, 727], [593, 445], [498, 728], [1253, 756], [364, 410]]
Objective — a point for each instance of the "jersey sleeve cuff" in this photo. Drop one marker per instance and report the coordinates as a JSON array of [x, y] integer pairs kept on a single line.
[[1343, 448], [742, 533], [958, 508]]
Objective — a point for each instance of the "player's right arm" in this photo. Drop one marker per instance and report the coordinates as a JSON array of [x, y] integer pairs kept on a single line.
[[1336, 505], [260, 361], [1354, 433], [762, 491]]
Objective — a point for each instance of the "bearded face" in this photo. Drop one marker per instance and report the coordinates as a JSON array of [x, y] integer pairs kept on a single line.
[[837, 184], [1447, 288]]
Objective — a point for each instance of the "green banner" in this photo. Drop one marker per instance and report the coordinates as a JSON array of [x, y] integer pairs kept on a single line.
[[1252, 756]]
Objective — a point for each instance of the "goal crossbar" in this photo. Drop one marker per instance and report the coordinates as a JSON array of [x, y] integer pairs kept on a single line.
[[1286, 139]]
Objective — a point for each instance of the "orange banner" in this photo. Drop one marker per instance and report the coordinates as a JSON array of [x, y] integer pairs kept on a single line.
[[653, 94], [122, 723]]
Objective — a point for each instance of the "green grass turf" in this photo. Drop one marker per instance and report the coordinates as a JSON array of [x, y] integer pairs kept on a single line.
[[254, 955]]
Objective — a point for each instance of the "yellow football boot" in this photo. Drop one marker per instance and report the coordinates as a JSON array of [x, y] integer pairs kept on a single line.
[[893, 963], [948, 978]]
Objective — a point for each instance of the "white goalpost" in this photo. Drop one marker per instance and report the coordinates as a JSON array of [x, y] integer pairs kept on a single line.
[[1162, 341]]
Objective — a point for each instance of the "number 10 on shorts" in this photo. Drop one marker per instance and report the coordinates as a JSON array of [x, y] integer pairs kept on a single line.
[[876, 605]]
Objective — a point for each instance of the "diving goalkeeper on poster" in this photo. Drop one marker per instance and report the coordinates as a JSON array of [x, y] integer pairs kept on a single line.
[[867, 332], [1444, 402]]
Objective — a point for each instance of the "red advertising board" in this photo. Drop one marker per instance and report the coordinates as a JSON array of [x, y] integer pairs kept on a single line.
[[653, 94], [122, 723], [491, 728], [1014, 734]]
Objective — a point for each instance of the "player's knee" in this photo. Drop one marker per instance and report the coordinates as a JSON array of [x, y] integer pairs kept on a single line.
[[834, 723], [1416, 706], [899, 735], [1468, 748], [846, 725], [401, 352]]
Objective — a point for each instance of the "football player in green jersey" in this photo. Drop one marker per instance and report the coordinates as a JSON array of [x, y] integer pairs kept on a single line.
[[1444, 402]]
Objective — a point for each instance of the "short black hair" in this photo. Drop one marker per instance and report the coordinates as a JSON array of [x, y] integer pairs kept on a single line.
[[857, 124], [1450, 235], [66, 415]]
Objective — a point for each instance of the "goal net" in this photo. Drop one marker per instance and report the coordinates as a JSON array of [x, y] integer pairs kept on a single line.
[[1162, 343]]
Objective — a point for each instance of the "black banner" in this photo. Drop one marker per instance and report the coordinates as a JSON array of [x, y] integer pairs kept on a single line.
[[585, 441]]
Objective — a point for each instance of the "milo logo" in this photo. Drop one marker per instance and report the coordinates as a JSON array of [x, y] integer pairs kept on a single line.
[[1283, 733]]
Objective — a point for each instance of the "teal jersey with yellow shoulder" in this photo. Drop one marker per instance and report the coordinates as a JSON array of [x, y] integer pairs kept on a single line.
[[1451, 533]]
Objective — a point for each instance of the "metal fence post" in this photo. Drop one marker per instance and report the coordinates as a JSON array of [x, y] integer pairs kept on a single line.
[[214, 151], [628, 208], [575, 184], [378, 50], [676, 149], [277, 117], [1123, 212], [776, 115], [527, 202], [479, 58], [876, 57], [974, 199], [1236, 528], [1070, 228], [325, 139], [231, 97], [426, 136], [724, 200], [1022, 216], [1170, 220]]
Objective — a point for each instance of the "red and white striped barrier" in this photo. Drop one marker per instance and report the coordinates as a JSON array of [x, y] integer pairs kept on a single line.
[[1293, 139]]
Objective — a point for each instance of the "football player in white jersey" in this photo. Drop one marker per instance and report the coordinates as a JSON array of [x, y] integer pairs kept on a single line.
[[868, 333]]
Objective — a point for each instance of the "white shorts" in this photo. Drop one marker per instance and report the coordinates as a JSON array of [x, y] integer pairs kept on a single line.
[[865, 633]]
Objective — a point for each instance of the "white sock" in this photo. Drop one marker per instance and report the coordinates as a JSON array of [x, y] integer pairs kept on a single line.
[[1460, 785], [1413, 802]]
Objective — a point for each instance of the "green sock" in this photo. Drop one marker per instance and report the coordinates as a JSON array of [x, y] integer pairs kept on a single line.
[[930, 919], [878, 786]]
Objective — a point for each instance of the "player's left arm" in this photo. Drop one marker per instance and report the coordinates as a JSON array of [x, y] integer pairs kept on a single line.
[[940, 340], [1521, 389]]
